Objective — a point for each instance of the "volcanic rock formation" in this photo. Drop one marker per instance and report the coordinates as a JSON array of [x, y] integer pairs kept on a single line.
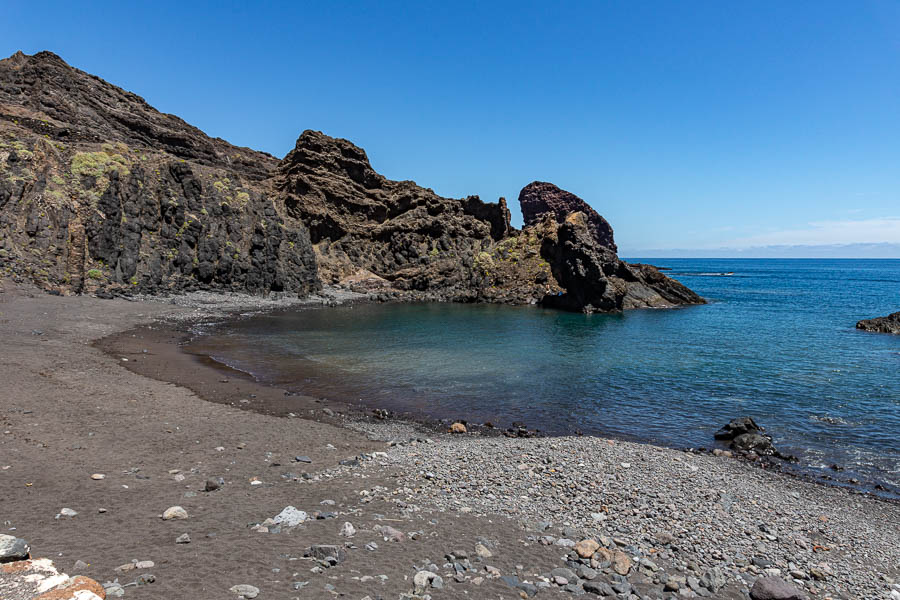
[[539, 199], [888, 324], [101, 193]]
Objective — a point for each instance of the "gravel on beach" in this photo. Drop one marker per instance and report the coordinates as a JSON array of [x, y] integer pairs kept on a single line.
[[695, 512]]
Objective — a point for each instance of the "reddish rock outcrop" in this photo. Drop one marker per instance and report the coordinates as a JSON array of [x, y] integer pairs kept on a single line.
[[540, 198]]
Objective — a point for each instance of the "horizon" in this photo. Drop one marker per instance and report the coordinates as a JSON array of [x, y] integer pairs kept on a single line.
[[718, 129]]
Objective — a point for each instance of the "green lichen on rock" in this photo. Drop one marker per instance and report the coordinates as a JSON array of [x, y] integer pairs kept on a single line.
[[98, 164]]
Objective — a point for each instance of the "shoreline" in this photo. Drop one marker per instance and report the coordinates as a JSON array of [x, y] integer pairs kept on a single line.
[[70, 410], [170, 349]]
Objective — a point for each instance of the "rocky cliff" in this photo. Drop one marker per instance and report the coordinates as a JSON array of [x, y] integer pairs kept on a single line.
[[101, 193]]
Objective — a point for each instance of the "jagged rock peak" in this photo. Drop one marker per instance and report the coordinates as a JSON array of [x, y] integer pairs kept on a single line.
[[43, 93], [316, 151], [540, 198]]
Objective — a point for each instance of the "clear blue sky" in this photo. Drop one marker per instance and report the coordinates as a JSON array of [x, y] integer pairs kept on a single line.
[[687, 124]]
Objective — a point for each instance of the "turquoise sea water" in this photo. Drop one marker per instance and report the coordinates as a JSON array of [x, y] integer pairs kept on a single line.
[[776, 342]]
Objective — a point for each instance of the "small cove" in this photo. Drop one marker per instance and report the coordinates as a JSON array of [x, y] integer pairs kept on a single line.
[[776, 342]]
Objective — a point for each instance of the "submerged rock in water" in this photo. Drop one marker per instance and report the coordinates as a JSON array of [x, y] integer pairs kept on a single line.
[[888, 324], [746, 436], [737, 427], [754, 442]]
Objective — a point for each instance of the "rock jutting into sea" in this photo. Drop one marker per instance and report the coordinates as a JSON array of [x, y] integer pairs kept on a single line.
[[888, 324], [100, 193]]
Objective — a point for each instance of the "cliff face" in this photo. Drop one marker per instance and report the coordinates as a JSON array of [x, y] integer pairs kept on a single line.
[[578, 244], [101, 193]]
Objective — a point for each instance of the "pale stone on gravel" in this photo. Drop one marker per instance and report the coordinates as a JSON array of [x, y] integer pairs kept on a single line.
[[174, 513], [586, 548], [347, 530], [290, 517], [247, 591]]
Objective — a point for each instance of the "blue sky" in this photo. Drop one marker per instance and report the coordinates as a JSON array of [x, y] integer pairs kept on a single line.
[[687, 125]]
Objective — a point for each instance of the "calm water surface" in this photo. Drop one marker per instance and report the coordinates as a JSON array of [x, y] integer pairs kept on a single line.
[[777, 342]]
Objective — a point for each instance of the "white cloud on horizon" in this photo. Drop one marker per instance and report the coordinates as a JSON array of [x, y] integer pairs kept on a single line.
[[818, 233]]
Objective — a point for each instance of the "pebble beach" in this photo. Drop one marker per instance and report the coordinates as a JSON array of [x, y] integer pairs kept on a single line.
[[116, 469]]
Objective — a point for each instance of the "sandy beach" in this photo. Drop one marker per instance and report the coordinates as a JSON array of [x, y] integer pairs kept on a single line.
[[481, 517]]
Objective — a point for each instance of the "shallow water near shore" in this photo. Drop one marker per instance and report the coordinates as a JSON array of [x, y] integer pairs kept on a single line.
[[776, 342]]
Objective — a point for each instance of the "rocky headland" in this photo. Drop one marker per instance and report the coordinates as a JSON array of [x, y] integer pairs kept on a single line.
[[100, 193], [888, 324]]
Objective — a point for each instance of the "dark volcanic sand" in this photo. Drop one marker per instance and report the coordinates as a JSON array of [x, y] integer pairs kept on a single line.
[[69, 410]]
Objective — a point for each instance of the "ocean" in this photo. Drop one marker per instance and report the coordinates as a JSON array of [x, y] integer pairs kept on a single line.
[[776, 342]]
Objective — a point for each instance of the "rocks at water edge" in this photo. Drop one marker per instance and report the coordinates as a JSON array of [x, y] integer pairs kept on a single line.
[[888, 324], [578, 245], [746, 436]]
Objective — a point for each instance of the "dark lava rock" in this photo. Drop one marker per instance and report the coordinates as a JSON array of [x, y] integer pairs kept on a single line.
[[773, 588], [513, 582], [593, 277], [888, 324], [138, 200], [213, 483], [601, 588], [737, 427], [100, 193], [331, 554], [13, 548], [754, 442]]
